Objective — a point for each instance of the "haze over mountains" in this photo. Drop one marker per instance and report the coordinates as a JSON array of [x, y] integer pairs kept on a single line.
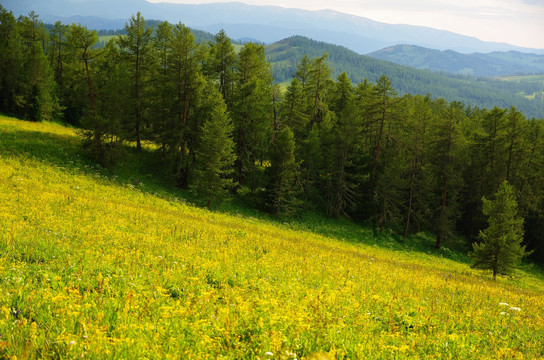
[[477, 64], [263, 23]]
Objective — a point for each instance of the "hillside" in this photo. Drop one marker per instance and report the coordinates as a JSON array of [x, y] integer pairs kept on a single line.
[[264, 23], [477, 64], [102, 264], [479, 92]]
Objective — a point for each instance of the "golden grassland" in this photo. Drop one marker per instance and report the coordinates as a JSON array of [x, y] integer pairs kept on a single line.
[[92, 267]]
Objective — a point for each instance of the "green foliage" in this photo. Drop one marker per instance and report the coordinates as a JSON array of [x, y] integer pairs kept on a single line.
[[136, 51], [27, 86], [477, 64], [251, 113], [500, 249], [283, 174], [481, 92], [215, 154], [403, 163]]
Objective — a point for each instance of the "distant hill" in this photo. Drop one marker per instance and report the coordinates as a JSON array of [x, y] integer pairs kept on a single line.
[[264, 23], [477, 64], [480, 92]]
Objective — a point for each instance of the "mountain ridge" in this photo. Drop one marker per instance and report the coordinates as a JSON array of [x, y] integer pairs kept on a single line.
[[477, 64], [360, 34], [476, 92]]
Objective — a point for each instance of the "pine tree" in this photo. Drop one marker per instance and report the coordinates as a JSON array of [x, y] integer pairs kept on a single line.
[[215, 153], [500, 249]]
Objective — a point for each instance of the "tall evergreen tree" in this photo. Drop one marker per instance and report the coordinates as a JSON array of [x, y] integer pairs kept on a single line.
[[186, 76], [282, 173], [221, 65], [500, 249], [36, 99], [292, 110], [342, 149], [252, 114], [112, 80], [316, 89], [162, 88], [215, 154], [136, 49], [10, 63], [414, 139], [56, 50], [446, 162], [382, 111]]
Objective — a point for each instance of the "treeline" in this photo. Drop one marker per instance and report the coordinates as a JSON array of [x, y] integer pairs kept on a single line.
[[479, 92], [216, 117]]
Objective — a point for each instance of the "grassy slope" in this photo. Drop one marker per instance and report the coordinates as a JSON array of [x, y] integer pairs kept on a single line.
[[94, 264]]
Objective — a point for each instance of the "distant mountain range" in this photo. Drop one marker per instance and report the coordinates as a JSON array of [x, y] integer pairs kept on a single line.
[[477, 64], [264, 23]]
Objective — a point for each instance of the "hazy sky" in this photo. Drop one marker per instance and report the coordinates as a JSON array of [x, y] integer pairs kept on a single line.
[[518, 22]]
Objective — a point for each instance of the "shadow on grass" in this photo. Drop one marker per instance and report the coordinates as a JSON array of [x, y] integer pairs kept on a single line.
[[148, 170]]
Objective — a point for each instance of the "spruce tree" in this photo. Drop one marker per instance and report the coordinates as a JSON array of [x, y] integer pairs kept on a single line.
[[500, 249], [215, 154]]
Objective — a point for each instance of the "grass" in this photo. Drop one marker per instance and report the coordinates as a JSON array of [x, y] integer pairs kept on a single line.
[[106, 38], [95, 264]]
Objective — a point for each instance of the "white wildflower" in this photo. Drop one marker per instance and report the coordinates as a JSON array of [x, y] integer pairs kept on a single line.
[[503, 304], [513, 308], [269, 353]]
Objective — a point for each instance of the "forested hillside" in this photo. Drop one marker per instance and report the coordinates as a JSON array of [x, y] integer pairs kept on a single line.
[[477, 64], [220, 125], [479, 92]]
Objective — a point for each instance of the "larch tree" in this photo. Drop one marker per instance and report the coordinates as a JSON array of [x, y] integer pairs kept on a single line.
[[414, 138], [252, 114], [282, 173], [81, 41], [186, 75], [10, 63], [221, 65], [36, 100], [446, 161], [136, 49]]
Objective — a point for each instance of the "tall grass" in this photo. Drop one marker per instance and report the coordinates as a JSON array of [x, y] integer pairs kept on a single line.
[[96, 265]]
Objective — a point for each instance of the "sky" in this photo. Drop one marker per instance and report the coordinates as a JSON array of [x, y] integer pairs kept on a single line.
[[517, 22]]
